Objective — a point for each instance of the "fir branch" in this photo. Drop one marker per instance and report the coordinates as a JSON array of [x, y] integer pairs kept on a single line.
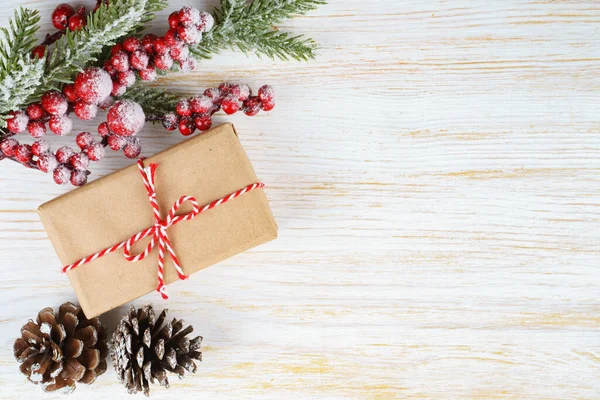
[[154, 101], [249, 26], [19, 74], [104, 27]]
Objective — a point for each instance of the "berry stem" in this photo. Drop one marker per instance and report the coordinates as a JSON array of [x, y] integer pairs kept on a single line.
[[30, 164]]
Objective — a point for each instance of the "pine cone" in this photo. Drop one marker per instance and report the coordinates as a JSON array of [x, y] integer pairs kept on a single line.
[[57, 351], [143, 350]]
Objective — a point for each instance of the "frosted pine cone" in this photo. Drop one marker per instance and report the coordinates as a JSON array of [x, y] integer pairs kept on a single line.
[[143, 350], [57, 351]]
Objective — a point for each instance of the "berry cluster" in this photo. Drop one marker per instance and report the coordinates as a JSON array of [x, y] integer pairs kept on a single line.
[[124, 120], [66, 165], [196, 112]]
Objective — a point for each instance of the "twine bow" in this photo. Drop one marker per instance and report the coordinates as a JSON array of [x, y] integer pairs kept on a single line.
[[158, 231]]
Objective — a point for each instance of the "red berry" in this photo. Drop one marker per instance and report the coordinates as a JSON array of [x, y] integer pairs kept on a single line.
[[36, 129], [189, 34], [93, 85], [189, 16], [17, 121], [117, 48], [230, 104], [116, 142], [103, 129], [268, 105], [213, 93], [76, 22], [61, 14], [109, 68], [95, 151], [180, 53], [79, 161], [148, 43], [40, 147], [39, 51], [171, 38], [84, 110], [131, 44], [120, 61], [148, 74], [174, 19], [241, 92], [266, 94], [126, 118], [34, 111], [55, 102], [183, 108], [201, 104], [84, 139], [81, 10], [186, 126], [133, 148], [61, 174], [139, 59], [224, 88], [23, 153], [60, 125], [163, 61], [170, 121], [160, 46], [69, 92], [8, 146], [79, 177], [189, 64], [118, 89], [203, 122], [63, 154], [251, 106], [126, 78], [206, 22], [47, 162], [104, 104]]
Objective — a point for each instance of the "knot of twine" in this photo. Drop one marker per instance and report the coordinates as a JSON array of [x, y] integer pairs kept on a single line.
[[158, 231]]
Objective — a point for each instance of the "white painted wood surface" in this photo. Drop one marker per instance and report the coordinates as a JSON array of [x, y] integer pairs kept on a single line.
[[435, 177]]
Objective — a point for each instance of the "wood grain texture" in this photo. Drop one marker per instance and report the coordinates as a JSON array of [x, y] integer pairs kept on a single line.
[[435, 177]]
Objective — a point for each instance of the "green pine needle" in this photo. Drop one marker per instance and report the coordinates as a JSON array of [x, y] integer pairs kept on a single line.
[[249, 26], [154, 101]]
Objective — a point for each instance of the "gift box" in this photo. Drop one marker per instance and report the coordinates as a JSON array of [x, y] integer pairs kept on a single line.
[[112, 209]]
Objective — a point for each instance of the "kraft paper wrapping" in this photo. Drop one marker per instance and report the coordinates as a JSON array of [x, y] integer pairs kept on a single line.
[[111, 209]]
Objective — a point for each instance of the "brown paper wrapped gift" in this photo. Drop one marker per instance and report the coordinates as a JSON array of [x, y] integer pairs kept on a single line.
[[111, 209]]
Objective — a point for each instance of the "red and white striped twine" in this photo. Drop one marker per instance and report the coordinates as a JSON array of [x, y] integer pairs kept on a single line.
[[159, 230]]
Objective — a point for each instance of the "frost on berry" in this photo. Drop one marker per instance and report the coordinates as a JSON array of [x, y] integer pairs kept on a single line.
[[61, 174], [17, 121], [139, 60], [148, 74], [95, 152], [104, 104], [55, 102], [8, 146], [183, 108], [23, 153], [40, 147], [242, 92], [206, 22], [93, 85], [126, 118], [252, 106], [131, 44], [163, 61], [180, 53], [60, 124], [189, 16], [84, 139], [120, 61], [230, 104], [189, 34], [35, 111], [201, 104], [84, 110], [133, 148], [118, 90], [266, 94], [213, 93], [47, 162], [79, 161], [36, 129], [63, 154], [79, 177], [116, 142], [187, 65], [170, 121]]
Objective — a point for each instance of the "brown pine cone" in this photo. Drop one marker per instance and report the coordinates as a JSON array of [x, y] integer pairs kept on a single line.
[[57, 351], [143, 350]]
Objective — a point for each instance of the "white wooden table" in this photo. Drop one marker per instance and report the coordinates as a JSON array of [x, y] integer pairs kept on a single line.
[[435, 177]]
